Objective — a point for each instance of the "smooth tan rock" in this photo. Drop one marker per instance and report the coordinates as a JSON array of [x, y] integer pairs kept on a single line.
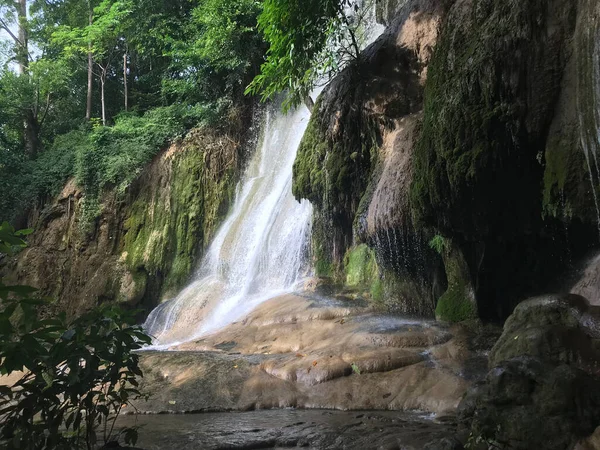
[[297, 351]]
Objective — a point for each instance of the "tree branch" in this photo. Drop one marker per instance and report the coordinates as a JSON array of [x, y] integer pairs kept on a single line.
[[41, 123], [6, 28]]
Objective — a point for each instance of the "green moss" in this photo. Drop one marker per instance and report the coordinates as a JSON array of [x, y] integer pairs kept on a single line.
[[360, 266], [168, 227], [481, 131], [458, 302], [455, 305], [332, 170], [567, 181], [377, 291], [309, 176]]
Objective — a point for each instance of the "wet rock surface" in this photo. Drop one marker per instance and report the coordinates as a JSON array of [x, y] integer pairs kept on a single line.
[[525, 403], [543, 389], [291, 428], [588, 281], [560, 329], [311, 352]]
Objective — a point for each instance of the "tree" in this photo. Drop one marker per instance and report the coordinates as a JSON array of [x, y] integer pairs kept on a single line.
[[13, 13], [99, 40], [310, 41]]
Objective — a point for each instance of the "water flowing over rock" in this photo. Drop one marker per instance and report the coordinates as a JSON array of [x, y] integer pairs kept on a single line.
[[588, 95], [261, 249], [588, 282], [313, 352], [355, 164]]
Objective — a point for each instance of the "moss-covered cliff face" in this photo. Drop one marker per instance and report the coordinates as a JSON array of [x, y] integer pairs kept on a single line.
[[494, 130], [144, 245], [479, 135], [355, 166], [571, 178], [177, 208]]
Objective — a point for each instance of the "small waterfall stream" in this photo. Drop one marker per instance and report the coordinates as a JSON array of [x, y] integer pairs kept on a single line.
[[261, 250], [588, 99]]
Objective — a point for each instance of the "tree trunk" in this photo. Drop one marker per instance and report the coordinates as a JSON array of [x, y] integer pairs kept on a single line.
[[22, 46], [102, 98], [30, 124], [90, 87], [90, 81], [31, 134], [125, 81]]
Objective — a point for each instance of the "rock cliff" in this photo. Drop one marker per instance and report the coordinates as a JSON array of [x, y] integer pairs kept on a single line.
[[145, 244]]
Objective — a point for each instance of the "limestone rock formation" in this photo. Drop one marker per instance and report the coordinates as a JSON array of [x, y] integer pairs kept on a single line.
[[362, 132], [310, 352], [558, 329], [587, 283], [525, 403], [145, 243], [469, 120]]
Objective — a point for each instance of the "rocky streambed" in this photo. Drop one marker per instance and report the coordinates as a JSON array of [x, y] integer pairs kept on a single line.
[[307, 371], [311, 371], [311, 352]]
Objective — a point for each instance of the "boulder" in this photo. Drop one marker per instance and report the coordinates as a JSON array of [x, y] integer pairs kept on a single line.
[[526, 403], [558, 329], [543, 389]]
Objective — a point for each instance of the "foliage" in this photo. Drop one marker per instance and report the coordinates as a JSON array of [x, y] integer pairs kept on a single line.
[[75, 378], [99, 157], [11, 241], [220, 55], [439, 243], [186, 64], [481, 440], [99, 36], [309, 40]]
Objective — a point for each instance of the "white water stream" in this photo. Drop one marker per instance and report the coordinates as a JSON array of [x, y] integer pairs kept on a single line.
[[261, 250], [588, 98]]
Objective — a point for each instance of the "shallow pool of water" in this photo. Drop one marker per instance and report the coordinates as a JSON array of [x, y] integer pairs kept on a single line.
[[290, 428]]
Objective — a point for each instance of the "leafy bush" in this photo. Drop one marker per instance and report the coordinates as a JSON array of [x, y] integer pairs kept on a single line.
[[76, 376], [114, 156], [98, 157], [439, 243]]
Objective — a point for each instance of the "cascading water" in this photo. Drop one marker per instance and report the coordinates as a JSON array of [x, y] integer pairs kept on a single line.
[[588, 98], [261, 250]]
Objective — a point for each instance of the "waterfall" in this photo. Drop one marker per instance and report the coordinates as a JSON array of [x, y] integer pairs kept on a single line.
[[588, 99], [261, 250]]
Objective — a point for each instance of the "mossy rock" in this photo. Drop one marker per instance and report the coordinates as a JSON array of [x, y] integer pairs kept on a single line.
[[559, 329], [526, 403], [360, 266], [491, 96], [176, 211], [456, 305]]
